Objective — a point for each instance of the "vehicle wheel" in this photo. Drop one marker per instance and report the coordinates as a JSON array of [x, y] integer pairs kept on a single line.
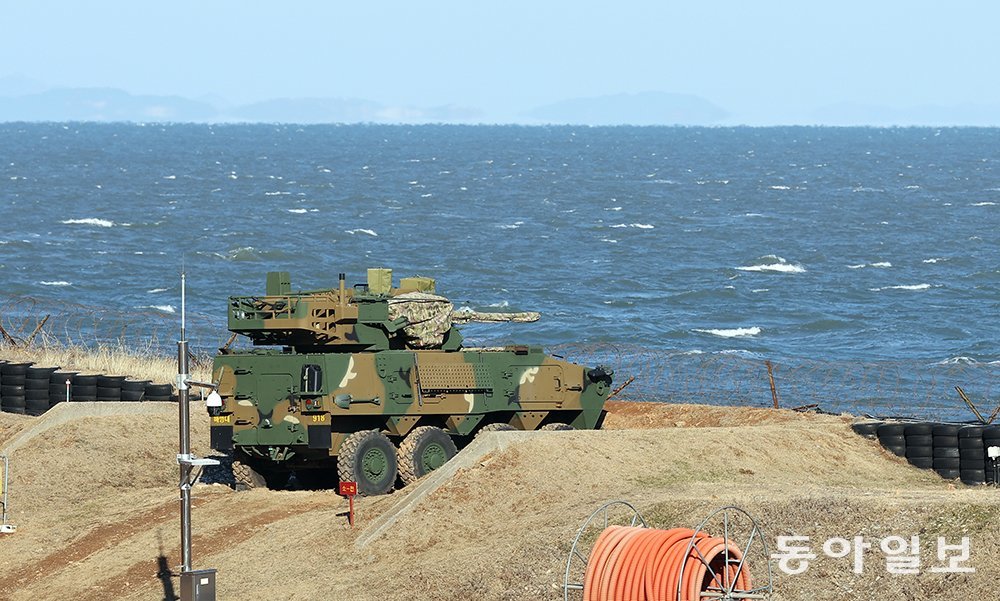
[[496, 428], [424, 450], [557, 427], [247, 474], [368, 458]]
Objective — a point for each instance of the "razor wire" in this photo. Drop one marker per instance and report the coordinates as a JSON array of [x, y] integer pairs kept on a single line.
[[912, 388]]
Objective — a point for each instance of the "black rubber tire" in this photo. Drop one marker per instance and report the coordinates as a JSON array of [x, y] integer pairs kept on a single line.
[[948, 463], [36, 407], [14, 369], [899, 451], [135, 385], [158, 399], [970, 432], [991, 432], [949, 452], [133, 395], [972, 454], [36, 395], [919, 440], [973, 476], [368, 457], [921, 451], [85, 380], [84, 393], [106, 381], [249, 474], [60, 377], [918, 429], [948, 474], [12, 404], [970, 443], [946, 429], [556, 427], [14, 379], [11, 390], [893, 441], [36, 383], [866, 429], [946, 441], [36, 372], [160, 391], [109, 394], [890, 430], [924, 463], [422, 451]]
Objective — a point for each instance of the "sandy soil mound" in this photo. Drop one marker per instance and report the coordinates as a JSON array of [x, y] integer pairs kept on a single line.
[[96, 510]]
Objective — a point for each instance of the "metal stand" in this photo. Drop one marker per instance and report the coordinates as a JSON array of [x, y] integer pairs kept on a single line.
[[5, 528], [735, 525], [618, 513], [195, 585]]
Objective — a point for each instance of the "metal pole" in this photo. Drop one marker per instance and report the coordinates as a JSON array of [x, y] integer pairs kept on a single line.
[[184, 455], [3, 490]]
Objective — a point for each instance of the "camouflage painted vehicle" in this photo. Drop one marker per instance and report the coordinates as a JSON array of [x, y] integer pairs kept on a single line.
[[371, 384]]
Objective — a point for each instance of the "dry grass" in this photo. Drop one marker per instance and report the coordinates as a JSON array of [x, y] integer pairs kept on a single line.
[[138, 363]]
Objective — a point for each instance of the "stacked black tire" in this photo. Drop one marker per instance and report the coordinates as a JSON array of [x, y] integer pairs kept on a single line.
[[947, 456], [31, 389], [12, 377], [36, 389], [952, 450]]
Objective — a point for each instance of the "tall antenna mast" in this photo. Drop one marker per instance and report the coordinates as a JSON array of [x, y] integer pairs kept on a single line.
[[196, 585]]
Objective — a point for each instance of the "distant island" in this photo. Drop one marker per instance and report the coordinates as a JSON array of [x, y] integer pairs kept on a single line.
[[22, 99]]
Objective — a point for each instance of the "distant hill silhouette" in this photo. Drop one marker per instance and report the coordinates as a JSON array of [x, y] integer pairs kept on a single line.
[[646, 108], [101, 104]]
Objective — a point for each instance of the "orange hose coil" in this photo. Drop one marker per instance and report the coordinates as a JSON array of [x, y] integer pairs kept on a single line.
[[644, 564]]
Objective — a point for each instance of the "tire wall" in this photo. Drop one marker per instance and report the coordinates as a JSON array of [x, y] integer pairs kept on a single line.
[[33, 390], [954, 451]]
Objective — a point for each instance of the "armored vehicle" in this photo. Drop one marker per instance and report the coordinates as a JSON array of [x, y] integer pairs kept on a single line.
[[371, 384]]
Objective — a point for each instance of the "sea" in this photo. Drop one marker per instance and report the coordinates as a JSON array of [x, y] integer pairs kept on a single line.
[[857, 268]]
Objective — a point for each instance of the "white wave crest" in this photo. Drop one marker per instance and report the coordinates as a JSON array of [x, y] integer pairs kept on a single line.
[[164, 308], [641, 226], [774, 263], [934, 260], [298, 211], [89, 221], [882, 264], [733, 332], [780, 187], [361, 231], [960, 360], [984, 204], [156, 290], [903, 287], [56, 283]]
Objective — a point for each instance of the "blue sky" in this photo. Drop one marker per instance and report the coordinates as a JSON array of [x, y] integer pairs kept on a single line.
[[763, 61]]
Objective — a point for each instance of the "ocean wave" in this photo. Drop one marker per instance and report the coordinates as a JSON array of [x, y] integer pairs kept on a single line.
[[361, 231], [89, 221], [960, 360], [156, 290], [609, 240], [511, 226], [983, 204], [163, 308], [774, 263], [55, 283], [780, 187], [934, 260], [903, 287], [298, 211], [732, 332], [641, 226]]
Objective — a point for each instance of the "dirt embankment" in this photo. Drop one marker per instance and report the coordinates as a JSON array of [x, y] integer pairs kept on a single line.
[[96, 510]]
